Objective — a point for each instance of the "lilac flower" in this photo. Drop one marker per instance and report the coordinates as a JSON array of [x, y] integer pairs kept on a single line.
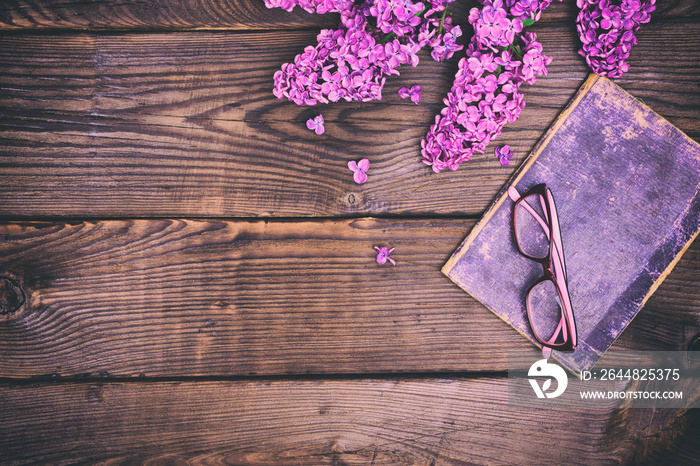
[[316, 124], [527, 9], [359, 169], [383, 255], [514, 28], [490, 24], [396, 16], [534, 64], [413, 93], [504, 154], [445, 45], [479, 63], [485, 94], [352, 62], [607, 30], [377, 37]]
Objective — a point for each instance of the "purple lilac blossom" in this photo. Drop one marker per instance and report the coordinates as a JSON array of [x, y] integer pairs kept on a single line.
[[383, 255], [607, 31], [504, 154], [316, 124], [352, 62], [526, 9], [445, 45], [485, 94], [413, 93], [359, 170]]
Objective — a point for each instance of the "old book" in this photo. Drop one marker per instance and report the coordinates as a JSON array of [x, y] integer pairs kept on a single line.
[[627, 188]]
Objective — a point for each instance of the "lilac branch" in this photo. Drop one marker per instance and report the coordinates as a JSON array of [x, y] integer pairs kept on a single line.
[[485, 94], [352, 62], [607, 31]]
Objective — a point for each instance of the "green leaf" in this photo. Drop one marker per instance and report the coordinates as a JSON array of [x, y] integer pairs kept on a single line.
[[528, 22], [386, 38]]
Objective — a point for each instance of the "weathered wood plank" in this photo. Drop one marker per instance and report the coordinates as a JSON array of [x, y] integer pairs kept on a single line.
[[446, 422], [217, 298], [177, 124], [237, 15], [159, 14]]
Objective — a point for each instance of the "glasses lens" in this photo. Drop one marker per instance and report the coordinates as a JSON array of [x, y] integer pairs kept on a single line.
[[532, 226], [545, 311]]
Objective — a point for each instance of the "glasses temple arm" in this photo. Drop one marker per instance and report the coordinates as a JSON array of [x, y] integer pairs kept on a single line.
[[559, 266], [543, 223]]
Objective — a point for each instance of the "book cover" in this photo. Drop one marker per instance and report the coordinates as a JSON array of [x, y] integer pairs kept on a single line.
[[627, 188]]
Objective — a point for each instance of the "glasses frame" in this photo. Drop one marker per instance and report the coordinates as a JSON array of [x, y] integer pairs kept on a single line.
[[553, 266]]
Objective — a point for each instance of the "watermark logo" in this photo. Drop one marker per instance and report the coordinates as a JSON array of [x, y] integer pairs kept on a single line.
[[542, 368], [639, 379]]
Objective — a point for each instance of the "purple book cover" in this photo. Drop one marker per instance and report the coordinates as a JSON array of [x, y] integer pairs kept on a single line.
[[627, 188]]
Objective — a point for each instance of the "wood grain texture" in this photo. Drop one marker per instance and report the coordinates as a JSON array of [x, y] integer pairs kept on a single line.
[[175, 298], [397, 422], [232, 15], [159, 14], [162, 125], [148, 326]]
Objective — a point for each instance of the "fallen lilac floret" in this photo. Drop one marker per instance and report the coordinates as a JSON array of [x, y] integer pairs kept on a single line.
[[316, 124], [504, 154], [413, 93], [383, 255], [359, 170]]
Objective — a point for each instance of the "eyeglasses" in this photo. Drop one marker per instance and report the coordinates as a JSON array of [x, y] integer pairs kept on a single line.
[[538, 236]]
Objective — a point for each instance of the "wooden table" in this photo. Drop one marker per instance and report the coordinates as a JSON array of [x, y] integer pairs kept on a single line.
[[199, 270]]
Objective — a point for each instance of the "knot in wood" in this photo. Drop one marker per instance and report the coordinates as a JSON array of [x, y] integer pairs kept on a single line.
[[11, 296]]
